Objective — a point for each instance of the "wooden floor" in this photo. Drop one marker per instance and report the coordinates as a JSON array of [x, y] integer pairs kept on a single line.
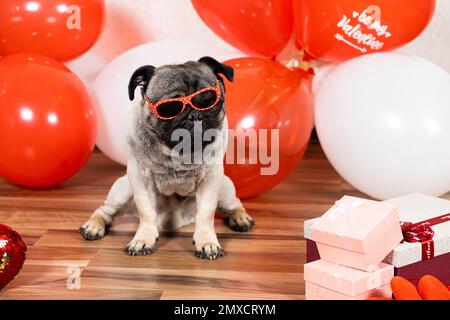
[[266, 263]]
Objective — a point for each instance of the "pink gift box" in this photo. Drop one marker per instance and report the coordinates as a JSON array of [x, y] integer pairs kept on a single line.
[[315, 292], [337, 282], [357, 233]]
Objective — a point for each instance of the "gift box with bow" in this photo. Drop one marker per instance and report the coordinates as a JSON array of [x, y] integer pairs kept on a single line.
[[357, 233]]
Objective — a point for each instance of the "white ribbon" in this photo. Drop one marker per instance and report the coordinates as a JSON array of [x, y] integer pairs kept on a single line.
[[340, 210]]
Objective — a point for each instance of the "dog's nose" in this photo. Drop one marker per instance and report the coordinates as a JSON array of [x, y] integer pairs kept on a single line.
[[195, 116]]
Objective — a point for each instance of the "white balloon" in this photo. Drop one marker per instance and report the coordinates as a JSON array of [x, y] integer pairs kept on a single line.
[[111, 88], [383, 122]]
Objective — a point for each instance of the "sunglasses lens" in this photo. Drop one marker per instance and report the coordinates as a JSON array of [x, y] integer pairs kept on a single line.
[[170, 109], [205, 99]]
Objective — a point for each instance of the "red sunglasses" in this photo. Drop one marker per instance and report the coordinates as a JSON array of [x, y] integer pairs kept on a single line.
[[201, 100]]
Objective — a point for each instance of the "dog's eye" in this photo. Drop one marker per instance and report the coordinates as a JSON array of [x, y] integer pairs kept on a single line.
[[205, 99]]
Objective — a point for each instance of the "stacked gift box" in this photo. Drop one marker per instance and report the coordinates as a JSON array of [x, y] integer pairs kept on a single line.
[[424, 247], [352, 238]]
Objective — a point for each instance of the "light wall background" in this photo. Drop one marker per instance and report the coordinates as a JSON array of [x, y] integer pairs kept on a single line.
[[130, 23], [434, 43]]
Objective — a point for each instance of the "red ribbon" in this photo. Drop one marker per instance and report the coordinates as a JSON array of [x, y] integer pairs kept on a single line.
[[422, 232]]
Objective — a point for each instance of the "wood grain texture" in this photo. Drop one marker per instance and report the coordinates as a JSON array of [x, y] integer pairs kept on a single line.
[[266, 263]]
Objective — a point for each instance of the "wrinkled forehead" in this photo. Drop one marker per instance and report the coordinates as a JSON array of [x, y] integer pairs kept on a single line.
[[180, 80]]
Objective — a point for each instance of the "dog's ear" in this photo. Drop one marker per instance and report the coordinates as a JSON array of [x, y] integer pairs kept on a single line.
[[140, 78], [218, 68]]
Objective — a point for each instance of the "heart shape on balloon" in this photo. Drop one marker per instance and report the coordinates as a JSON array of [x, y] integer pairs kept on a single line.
[[258, 27], [12, 254], [334, 31]]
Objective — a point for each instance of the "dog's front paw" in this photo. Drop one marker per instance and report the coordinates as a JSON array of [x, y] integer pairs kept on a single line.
[[208, 250], [141, 247], [94, 228], [240, 221]]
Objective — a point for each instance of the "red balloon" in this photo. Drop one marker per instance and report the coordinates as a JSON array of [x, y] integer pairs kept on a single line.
[[337, 30], [12, 254], [48, 122], [266, 95], [259, 27], [60, 29]]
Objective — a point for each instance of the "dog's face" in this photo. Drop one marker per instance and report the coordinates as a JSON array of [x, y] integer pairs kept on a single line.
[[176, 81]]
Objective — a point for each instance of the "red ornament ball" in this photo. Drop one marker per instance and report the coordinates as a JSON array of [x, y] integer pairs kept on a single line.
[[12, 254]]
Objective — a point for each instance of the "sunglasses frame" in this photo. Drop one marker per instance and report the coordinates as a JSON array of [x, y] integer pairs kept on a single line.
[[185, 100]]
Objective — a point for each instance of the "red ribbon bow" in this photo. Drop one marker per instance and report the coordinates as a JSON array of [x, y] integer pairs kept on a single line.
[[417, 232], [422, 232]]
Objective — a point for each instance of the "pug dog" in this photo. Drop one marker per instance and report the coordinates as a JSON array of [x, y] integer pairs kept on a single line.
[[166, 189]]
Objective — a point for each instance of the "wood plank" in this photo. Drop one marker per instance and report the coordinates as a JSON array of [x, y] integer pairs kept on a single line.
[[188, 279], [205, 294], [44, 292]]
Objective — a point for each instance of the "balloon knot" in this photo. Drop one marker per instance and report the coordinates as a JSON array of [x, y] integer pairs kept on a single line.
[[298, 61]]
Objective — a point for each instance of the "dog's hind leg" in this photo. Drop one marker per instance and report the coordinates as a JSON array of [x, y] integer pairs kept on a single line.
[[234, 214], [118, 197]]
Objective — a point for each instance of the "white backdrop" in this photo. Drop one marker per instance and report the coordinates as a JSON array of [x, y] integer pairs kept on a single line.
[[134, 22], [434, 43], [131, 23]]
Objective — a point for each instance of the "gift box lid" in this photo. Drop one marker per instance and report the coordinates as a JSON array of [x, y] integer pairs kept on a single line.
[[345, 280], [355, 224], [416, 208]]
